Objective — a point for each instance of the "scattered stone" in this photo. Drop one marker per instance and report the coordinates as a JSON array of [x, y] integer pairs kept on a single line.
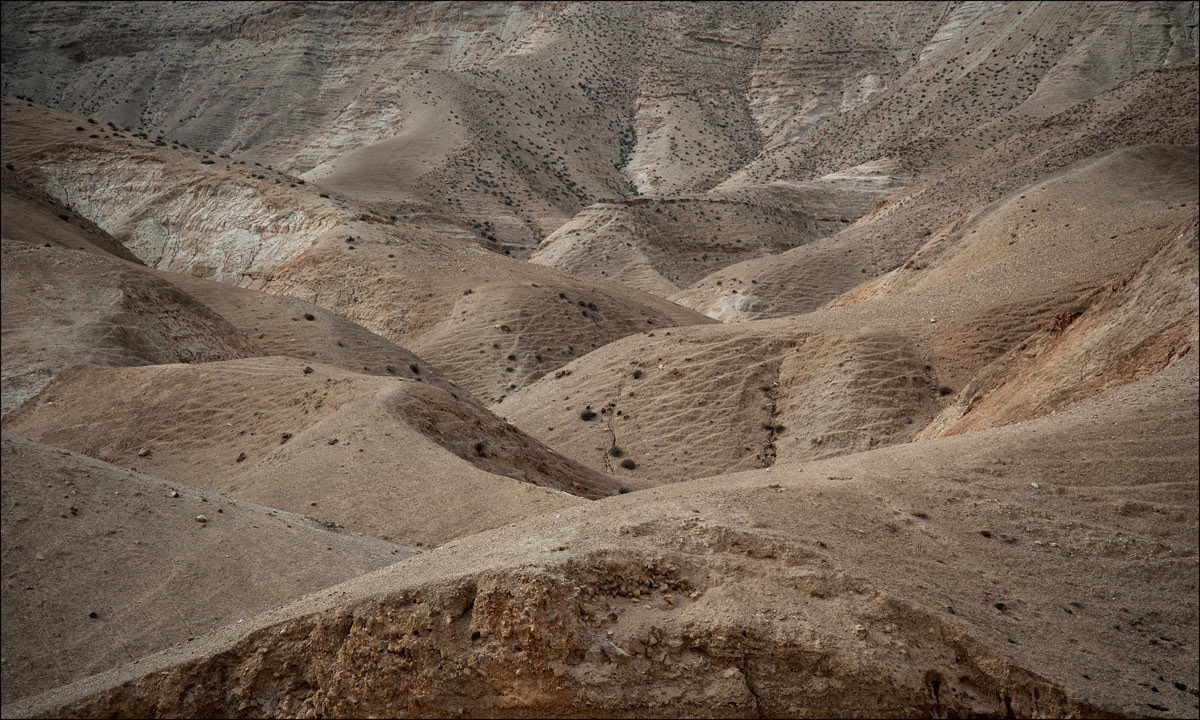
[[241, 456], [308, 370], [333, 441], [612, 652], [201, 519], [143, 452]]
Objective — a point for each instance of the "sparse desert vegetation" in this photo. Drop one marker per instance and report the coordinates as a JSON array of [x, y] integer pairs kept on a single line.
[[600, 360]]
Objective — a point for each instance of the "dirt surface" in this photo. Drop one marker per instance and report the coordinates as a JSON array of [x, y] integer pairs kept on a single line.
[[600, 360], [76, 528], [849, 582], [380, 456]]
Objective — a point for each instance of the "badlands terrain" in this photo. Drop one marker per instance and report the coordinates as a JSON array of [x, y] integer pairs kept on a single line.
[[600, 359]]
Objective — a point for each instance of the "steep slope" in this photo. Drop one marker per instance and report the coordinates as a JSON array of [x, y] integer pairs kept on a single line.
[[103, 566], [868, 127], [989, 70], [63, 272], [872, 369], [444, 103], [854, 582], [282, 325], [660, 245], [408, 277], [386, 457], [1157, 106], [67, 299], [1135, 327], [516, 116]]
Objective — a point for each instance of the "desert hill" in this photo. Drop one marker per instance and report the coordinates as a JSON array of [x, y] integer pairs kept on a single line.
[[600, 359], [849, 582], [385, 457], [73, 526], [519, 116], [875, 368], [419, 280], [1157, 106], [108, 308], [68, 299]]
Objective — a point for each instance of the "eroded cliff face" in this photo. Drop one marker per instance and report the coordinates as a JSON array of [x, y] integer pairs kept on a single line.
[[216, 227], [609, 633]]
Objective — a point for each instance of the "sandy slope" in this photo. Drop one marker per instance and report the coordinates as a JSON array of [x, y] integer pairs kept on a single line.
[[103, 565], [68, 299], [844, 584], [63, 272], [1157, 106], [282, 325], [871, 371], [417, 277], [918, 439], [520, 116], [385, 457]]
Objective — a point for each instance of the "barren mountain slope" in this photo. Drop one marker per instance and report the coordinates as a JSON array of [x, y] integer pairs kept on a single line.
[[282, 325], [969, 90], [519, 115], [417, 279], [661, 245], [109, 309], [601, 359], [74, 528], [991, 69], [872, 370], [1134, 327], [1011, 571], [67, 300], [390, 458], [1157, 106], [447, 103]]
